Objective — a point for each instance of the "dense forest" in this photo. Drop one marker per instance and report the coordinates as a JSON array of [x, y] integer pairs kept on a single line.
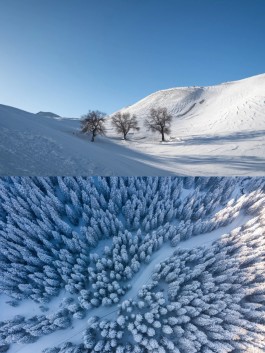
[[90, 238]]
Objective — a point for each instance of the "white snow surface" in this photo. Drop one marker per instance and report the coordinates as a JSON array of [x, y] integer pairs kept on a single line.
[[216, 130], [41, 146], [143, 277]]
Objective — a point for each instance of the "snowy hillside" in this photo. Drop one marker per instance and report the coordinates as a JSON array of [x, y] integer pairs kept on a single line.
[[48, 115], [218, 130], [37, 145], [132, 265], [227, 108], [221, 125]]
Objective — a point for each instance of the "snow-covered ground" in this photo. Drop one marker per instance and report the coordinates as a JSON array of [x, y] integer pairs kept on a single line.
[[220, 127], [216, 130]]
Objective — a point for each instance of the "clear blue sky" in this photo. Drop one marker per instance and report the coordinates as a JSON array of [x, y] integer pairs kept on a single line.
[[68, 56]]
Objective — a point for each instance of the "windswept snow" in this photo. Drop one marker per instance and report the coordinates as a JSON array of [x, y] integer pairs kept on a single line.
[[33, 145], [216, 130], [222, 109]]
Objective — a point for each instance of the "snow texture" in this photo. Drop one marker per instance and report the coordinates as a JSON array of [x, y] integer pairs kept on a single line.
[[215, 130]]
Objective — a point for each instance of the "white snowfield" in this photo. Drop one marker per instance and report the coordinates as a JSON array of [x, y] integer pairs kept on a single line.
[[43, 146], [216, 130]]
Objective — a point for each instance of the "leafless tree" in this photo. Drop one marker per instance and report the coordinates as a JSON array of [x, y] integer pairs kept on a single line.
[[159, 120], [124, 122], [93, 123]]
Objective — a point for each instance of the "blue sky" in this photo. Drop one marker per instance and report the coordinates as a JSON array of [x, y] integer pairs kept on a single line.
[[69, 56]]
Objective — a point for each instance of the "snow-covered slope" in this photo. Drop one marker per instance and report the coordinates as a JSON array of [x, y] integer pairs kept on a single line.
[[37, 145], [48, 114], [215, 130], [226, 108]]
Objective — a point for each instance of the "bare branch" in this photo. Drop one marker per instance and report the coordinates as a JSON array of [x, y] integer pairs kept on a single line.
[[124, 122], [159, 120], [93, 123]]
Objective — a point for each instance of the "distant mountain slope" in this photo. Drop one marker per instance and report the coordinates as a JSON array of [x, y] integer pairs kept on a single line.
[[228, 107], [48, 114]]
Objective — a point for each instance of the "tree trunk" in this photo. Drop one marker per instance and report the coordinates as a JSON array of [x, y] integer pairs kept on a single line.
[[124, 136], [93, 137], [163, 136]]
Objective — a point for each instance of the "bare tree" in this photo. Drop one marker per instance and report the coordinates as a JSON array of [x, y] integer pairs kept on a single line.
[[123, 123], [93, 123], [159, 120]]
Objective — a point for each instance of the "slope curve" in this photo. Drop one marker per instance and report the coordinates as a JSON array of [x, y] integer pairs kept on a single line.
[[228, 107]]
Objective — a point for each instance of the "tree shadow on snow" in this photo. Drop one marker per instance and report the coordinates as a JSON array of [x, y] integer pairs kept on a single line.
[[247, 164], [233, 137]]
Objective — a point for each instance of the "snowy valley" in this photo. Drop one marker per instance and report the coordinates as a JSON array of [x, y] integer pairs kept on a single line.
[[132, 264], [216, 130]]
